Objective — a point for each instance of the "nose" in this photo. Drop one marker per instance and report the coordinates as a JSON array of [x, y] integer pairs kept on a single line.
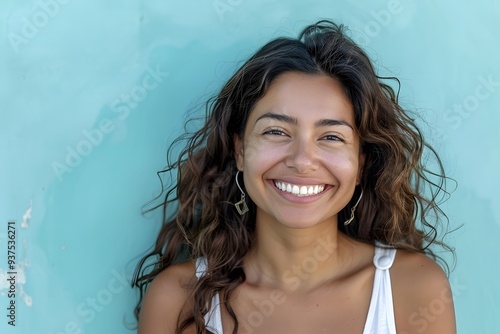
[[302, 155]]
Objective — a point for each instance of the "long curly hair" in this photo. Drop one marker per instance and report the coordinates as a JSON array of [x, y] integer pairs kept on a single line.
[[400, 203]]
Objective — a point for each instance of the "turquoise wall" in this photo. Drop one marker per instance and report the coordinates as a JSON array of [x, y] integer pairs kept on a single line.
[[92, 92]]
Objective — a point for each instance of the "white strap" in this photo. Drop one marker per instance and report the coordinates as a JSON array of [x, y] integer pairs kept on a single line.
[[213, 319], [380, 319]]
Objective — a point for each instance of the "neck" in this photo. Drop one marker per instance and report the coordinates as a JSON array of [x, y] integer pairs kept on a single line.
[[295, 259]]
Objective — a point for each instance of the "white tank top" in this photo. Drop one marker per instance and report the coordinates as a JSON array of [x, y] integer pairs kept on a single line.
[[380, 319]]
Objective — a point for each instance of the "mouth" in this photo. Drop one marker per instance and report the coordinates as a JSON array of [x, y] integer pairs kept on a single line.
[[299, 190]]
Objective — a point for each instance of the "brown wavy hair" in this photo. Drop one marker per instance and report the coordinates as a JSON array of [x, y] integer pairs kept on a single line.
[[400, 203]]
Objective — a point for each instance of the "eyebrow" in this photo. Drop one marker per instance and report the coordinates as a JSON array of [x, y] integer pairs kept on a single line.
[[332, 122], [292, 120]]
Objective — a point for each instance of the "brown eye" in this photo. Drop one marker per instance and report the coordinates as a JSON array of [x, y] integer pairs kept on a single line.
[[275, 132], [333, 138]]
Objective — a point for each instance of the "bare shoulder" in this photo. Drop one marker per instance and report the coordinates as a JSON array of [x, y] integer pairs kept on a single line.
[[165, 298], [423, 301]]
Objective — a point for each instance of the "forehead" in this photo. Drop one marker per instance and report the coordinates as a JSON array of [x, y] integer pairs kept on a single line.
[[307, 97]]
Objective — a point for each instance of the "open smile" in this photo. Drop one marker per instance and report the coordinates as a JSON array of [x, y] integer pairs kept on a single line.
[[299, 190]]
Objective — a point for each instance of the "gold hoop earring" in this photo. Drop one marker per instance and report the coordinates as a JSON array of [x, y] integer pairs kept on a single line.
[[347, 222], [241, 206]]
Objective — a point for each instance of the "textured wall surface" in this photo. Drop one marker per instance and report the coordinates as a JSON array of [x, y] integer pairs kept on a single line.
[[92, 92]]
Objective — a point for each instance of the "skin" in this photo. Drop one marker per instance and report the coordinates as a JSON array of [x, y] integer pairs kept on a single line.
[[302, 132]]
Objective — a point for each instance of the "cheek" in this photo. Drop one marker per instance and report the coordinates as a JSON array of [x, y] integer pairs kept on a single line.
[[258, 157], [343, 163]]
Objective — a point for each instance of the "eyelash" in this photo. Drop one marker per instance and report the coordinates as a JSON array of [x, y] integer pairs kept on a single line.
[[278, 132], [275, 132], [335, 138]]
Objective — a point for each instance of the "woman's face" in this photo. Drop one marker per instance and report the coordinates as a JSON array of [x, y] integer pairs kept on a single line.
[[300, 153]]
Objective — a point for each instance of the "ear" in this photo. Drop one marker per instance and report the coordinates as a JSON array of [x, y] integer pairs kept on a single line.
[[360, 168], [238, 151]]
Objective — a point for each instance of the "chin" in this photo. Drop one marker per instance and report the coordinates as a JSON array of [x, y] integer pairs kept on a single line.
[[298, 222]]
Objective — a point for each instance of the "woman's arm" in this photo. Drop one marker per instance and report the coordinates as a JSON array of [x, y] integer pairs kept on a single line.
[[164, 300], [423, 301]]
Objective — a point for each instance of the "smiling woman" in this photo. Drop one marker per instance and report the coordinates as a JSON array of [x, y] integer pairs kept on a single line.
[[338, 228], [307, 142]]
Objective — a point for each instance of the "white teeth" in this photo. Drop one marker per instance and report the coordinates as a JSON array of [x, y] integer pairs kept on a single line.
[[300, 191], [303, 190]]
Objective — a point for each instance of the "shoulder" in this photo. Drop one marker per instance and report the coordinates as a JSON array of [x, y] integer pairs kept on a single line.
[[423, 301], [165, 298]]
